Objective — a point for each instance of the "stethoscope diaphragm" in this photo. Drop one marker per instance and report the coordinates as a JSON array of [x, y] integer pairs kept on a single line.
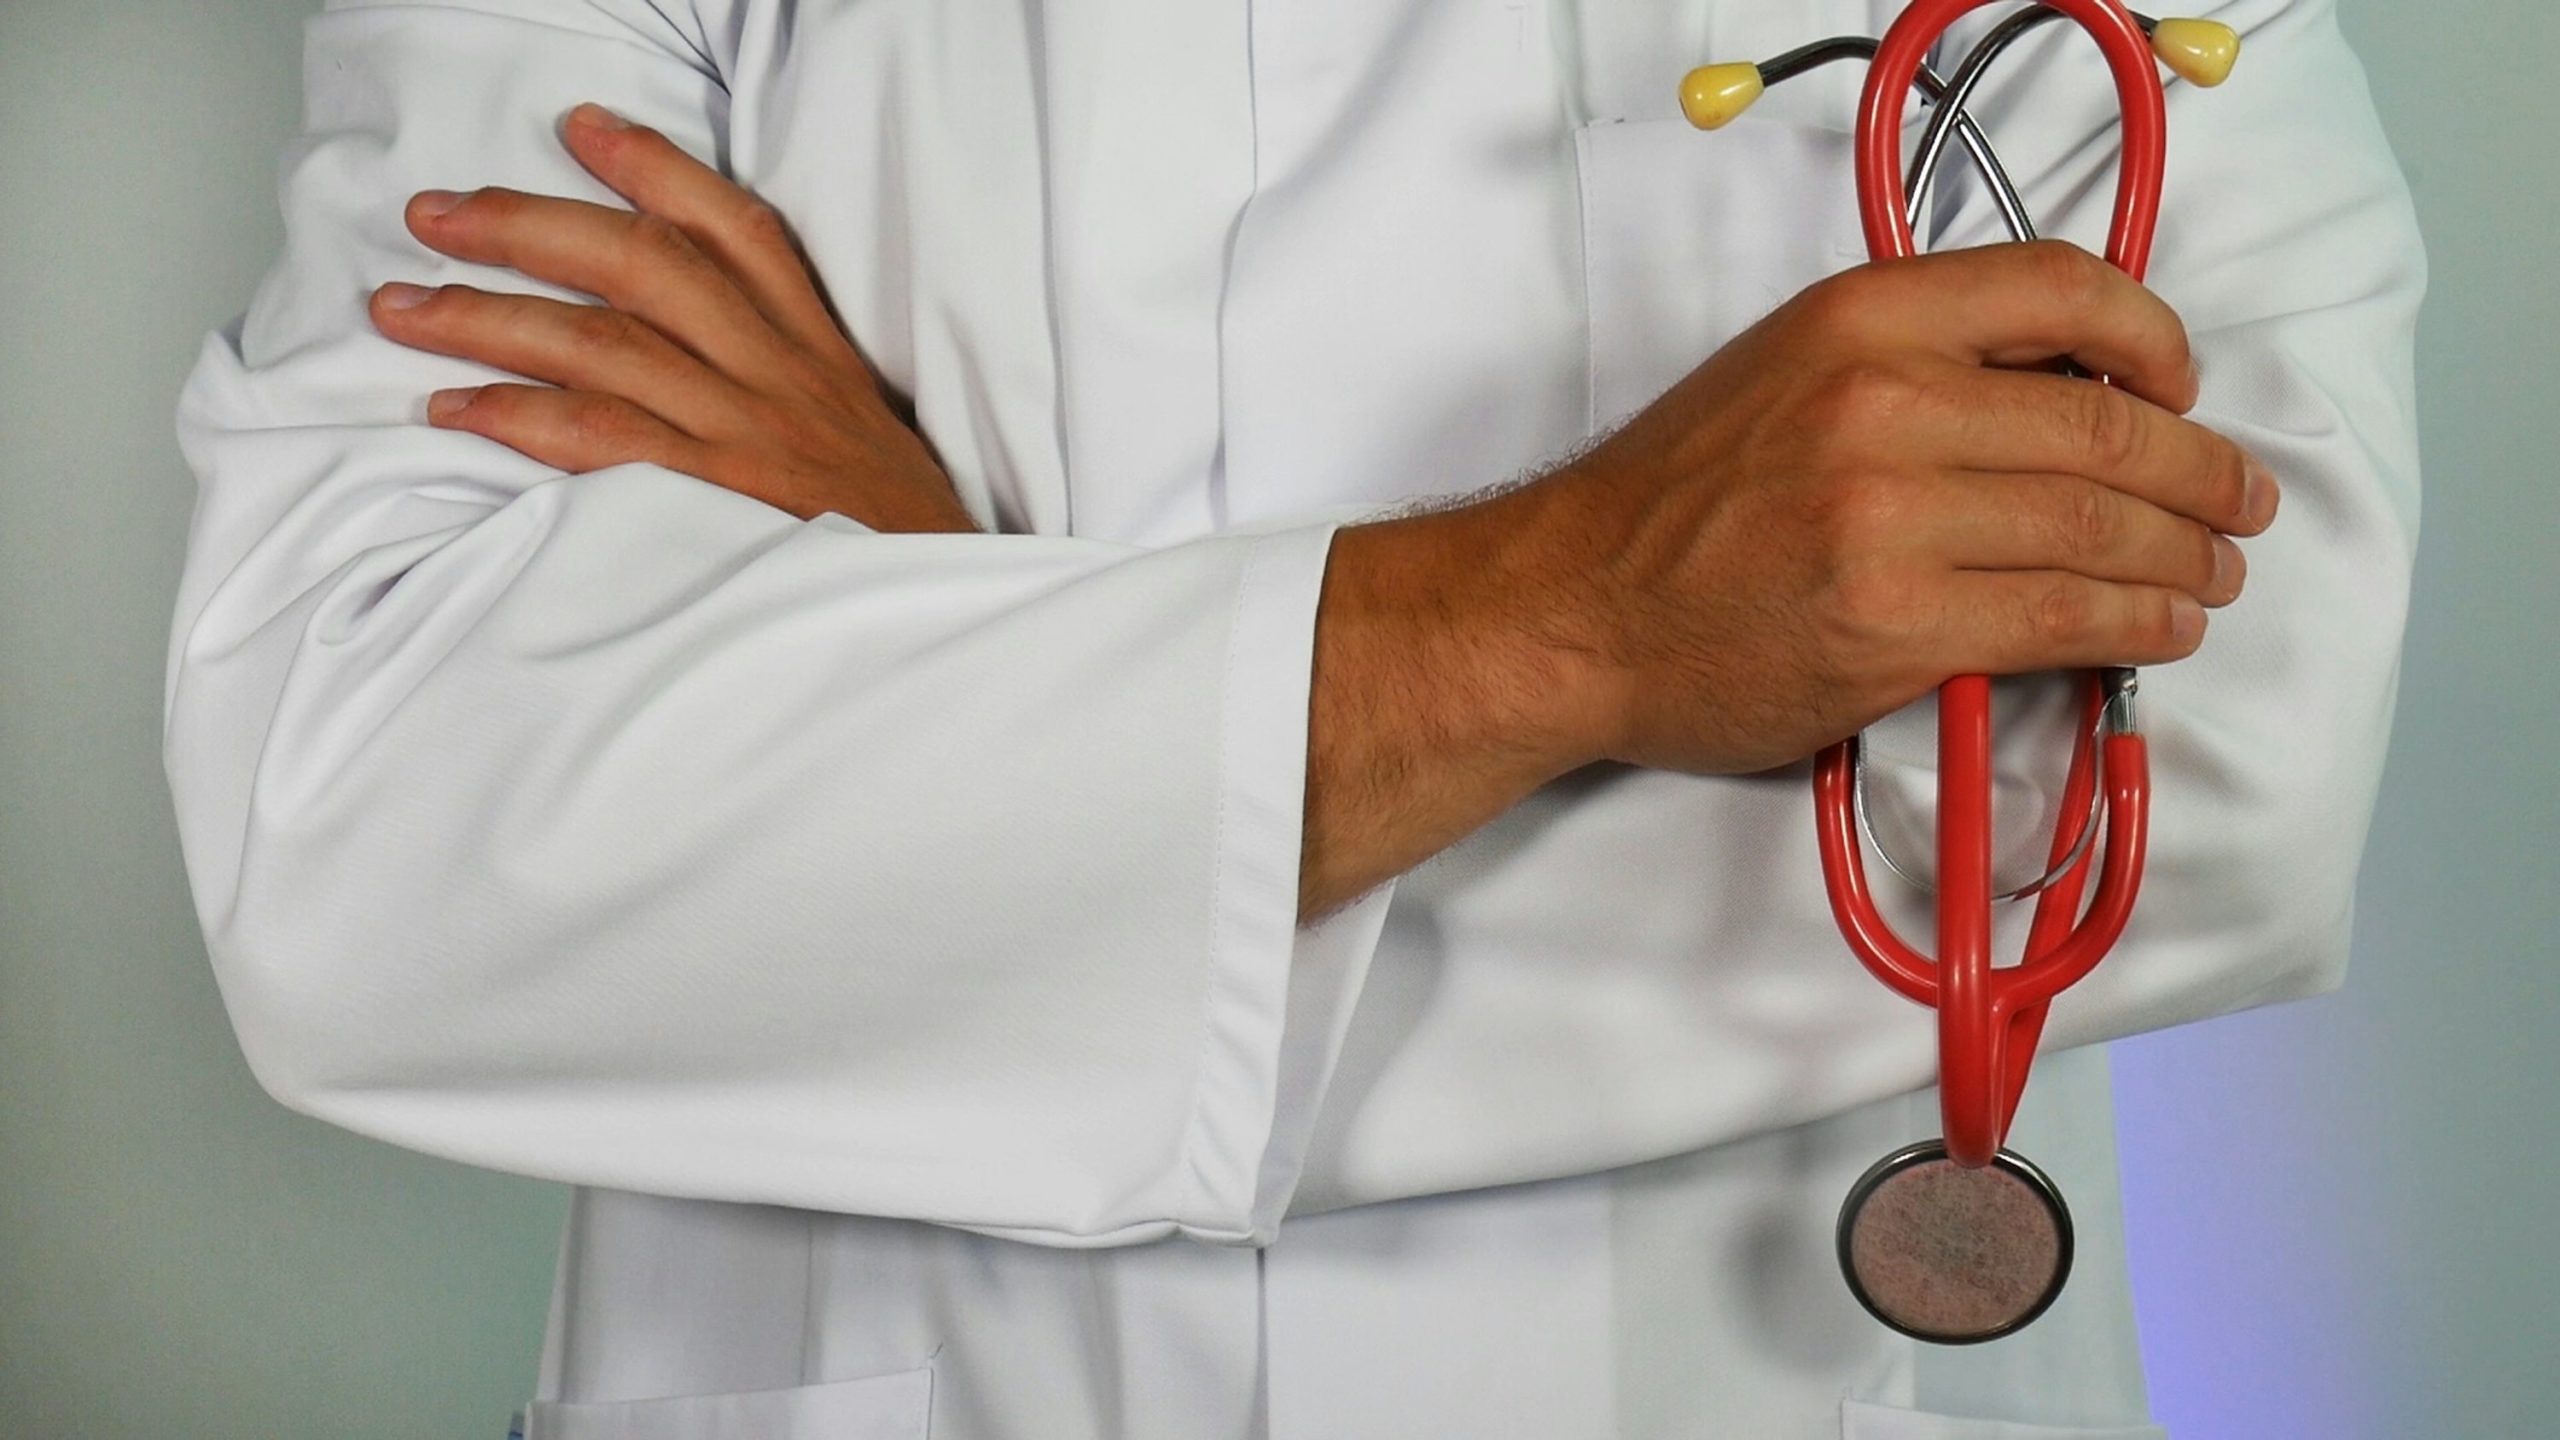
[[1954, 1254]]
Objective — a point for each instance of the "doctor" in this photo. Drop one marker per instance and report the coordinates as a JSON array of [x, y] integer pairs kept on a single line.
[[1023, 902]]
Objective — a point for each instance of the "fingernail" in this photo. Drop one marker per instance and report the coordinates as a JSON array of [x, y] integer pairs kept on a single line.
[[401, 295], [2186, 619], [432, 203], [445, 404], [2262, 494], [2229, 569], [589, 112]]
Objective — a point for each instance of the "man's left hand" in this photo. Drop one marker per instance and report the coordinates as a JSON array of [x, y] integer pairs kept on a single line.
[[712, 353]]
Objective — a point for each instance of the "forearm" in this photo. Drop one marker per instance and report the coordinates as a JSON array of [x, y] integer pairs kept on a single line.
[[1443, 690]]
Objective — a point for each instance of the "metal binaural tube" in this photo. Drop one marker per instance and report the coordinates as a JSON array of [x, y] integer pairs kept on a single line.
[[2004, 192], [2202, 56], [1958, 91]]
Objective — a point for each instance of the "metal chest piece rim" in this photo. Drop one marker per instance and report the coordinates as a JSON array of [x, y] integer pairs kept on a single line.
[[1900, 1303]]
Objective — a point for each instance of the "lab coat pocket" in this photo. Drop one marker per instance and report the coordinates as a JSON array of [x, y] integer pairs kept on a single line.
[[895, 1406], [1862, 1421], [1689, 236]]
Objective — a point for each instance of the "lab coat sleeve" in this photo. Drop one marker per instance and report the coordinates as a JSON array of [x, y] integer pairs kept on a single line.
[[617, 829], [2289, 246]]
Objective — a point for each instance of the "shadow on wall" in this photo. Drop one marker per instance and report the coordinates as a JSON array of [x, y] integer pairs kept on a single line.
[[2338, 1210]]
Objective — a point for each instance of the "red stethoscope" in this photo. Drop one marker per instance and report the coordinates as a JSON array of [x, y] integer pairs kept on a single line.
[[1960, 1239]]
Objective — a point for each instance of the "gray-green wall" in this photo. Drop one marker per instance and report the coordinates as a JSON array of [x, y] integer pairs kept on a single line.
[[2346, 1236], [179, 1256]]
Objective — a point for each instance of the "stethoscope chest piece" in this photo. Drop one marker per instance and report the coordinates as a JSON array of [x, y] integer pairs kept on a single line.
[[1951, 1254]]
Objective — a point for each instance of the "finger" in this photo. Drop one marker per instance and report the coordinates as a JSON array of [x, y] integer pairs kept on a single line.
[[2022, 421], [572, 430], [639, 264], [735, 227], [2014, 622], [2017, 304], [2064, 522], [574, 345]]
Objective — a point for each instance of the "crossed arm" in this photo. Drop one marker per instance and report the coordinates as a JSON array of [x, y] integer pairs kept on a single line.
[[628, 824], [1855, 499]]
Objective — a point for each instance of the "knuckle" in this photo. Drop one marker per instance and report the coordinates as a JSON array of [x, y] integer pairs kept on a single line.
[[829, 390], [1857, 513], [660, 244], [770, 425], [801, 374], [598, 423], [759, 223], [2109, 433], [654, 232], [2068, 275], [2086, 523], [1873, 608], [600, 327], [1863, 395], [1836, 302], [2062, 612]]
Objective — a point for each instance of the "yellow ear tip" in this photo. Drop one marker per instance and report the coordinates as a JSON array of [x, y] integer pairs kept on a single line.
[[1713, 94], [2202, 52]]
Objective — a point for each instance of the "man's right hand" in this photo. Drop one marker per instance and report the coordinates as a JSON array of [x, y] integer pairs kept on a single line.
[[1854, 500]]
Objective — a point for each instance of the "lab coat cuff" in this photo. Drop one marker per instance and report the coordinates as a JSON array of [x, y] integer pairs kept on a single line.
[[1279, 998]]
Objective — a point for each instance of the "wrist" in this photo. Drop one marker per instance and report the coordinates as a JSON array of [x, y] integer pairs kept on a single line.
[[1503, 633], [1537, 566], [1445, 690]]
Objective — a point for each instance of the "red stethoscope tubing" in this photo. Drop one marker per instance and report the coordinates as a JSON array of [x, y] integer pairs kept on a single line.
[[1990, 1020]]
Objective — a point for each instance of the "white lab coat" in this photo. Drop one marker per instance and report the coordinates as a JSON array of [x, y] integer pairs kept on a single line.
[[892, 937]]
